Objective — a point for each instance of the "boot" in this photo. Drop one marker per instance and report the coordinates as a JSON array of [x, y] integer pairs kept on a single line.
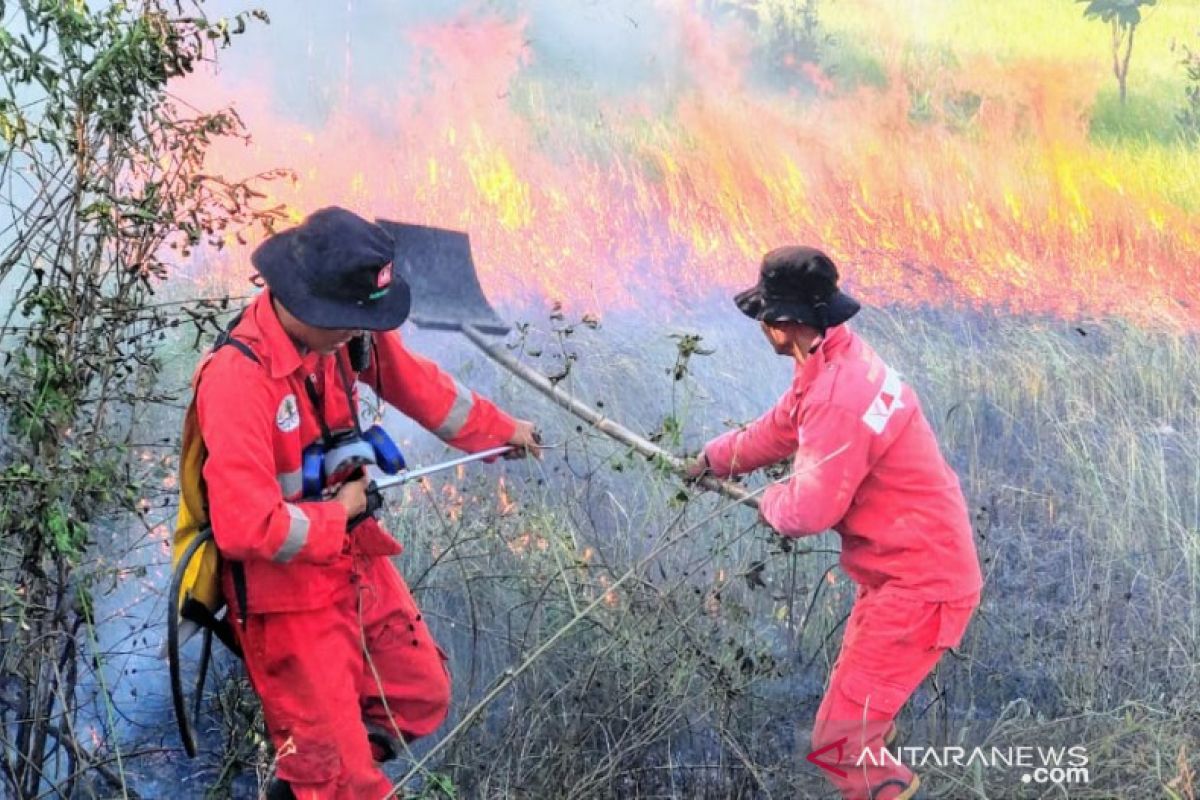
[[278, 789]]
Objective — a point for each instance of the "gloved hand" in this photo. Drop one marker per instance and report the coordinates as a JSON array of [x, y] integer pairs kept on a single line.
[[374, 502]]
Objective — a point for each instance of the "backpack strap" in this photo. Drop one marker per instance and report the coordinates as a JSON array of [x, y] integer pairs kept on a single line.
[[226, 337], [237, 568]]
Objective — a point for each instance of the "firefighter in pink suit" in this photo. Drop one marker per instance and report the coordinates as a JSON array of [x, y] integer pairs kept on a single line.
[[867, 465]]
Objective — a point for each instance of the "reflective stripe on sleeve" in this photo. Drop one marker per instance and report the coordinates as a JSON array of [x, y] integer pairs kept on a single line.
[[291, 483], [297, 535], [457, 416]]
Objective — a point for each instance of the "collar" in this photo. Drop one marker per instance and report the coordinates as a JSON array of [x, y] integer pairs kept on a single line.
[[836, 340], [283, 356]]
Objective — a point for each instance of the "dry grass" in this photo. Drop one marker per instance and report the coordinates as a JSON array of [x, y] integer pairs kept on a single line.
[[1079, 455], [698, 674]]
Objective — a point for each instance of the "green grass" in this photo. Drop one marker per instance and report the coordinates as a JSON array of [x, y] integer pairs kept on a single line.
[[852, 66], [1146, 118]]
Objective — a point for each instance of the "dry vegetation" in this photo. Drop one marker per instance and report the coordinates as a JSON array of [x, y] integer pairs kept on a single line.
[[651, 645]]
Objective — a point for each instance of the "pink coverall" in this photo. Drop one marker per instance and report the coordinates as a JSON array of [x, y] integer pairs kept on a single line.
[[866, 464]]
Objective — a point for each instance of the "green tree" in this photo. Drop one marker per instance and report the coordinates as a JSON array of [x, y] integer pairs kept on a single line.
[[102, 187], [1123, 18]]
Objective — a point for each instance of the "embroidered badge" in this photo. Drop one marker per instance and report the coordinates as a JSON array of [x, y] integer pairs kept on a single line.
[[288, 415], [383, 280]]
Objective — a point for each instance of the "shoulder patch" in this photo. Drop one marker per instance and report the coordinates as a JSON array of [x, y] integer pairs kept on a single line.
[[885, 403], [287, 418]]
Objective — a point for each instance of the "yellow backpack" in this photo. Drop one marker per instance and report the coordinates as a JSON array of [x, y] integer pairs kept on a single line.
[[196, 596]]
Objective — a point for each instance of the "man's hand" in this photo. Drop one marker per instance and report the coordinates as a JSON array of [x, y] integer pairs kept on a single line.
[[696, 467], [525, 441], [353, 497]]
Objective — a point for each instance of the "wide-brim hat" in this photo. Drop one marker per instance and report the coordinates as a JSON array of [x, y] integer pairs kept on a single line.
[[334, 270], [797, 284]]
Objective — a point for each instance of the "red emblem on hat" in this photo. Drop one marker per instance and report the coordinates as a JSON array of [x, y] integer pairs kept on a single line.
[[384, 278]]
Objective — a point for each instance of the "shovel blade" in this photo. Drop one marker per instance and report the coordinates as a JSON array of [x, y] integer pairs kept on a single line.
[[437, 265]]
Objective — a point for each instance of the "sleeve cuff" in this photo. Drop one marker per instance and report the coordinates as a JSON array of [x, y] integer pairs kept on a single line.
[[326, 534], [716, 454]]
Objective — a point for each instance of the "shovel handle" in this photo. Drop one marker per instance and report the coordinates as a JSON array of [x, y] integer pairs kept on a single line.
[[600, 422]]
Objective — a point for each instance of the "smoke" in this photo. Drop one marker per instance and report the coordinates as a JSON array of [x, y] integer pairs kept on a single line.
[[603, 153], [348, 52]]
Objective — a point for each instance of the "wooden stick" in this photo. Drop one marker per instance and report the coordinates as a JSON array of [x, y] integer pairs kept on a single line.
[[600, 422]]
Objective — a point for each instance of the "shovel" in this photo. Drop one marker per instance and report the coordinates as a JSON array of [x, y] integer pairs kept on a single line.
[[437, 265]]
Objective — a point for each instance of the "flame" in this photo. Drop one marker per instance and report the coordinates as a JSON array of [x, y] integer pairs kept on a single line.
[[1008, 206], [505, 504], [610, 595], [527, 541], [454, 501]]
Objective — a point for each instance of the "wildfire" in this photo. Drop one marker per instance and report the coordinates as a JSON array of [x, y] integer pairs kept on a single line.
[[505, 504], [453, 501], [527, 541], [1019, 210], [610, 595]]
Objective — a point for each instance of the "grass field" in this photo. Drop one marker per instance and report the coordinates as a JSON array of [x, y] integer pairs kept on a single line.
[[697, 670], [1078, 454], [1029, 249]]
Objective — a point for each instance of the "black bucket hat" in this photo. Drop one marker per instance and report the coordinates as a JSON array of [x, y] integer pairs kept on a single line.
[[797, 284], [334, 270]]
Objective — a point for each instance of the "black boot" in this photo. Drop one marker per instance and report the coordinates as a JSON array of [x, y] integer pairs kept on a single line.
[[383, 747], [279, 789]]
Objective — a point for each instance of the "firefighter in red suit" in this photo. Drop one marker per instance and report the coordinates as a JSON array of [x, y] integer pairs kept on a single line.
[[867, 465], [334, 645]]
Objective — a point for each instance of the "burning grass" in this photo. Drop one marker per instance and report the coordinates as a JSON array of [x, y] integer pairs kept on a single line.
[[979, 163], [970, 156]]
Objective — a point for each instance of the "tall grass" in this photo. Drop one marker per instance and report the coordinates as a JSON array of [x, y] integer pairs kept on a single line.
[[697, 672], [1078, 450]]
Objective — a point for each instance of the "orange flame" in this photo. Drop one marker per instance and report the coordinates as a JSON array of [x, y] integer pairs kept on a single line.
[[610, 595], [527, 541], [505, 504], [1020, 212]]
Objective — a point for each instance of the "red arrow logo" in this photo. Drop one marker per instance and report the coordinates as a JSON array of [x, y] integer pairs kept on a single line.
[[830, 766]]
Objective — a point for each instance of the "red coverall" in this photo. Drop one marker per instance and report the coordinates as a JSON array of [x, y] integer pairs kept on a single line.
[[866, 464], [315, 596]]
